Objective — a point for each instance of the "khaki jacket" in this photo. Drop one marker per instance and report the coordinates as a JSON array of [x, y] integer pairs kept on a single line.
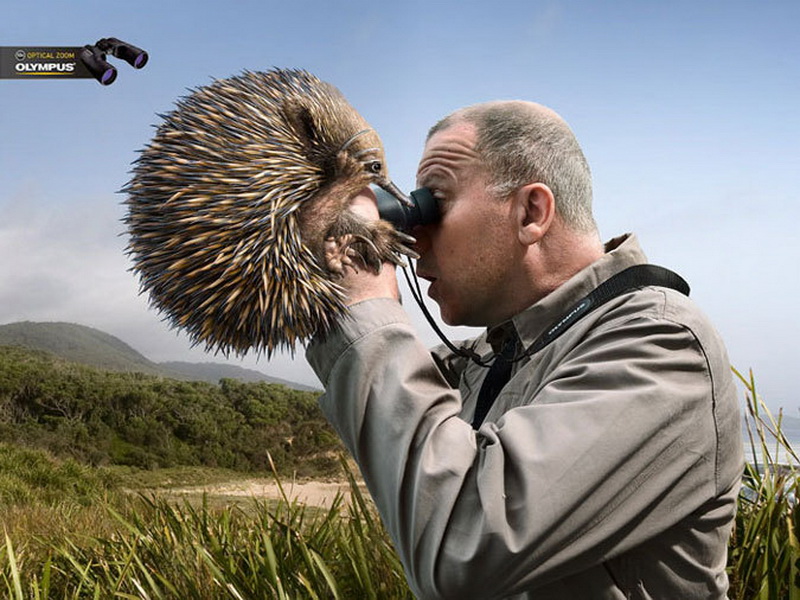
[[607, 468]]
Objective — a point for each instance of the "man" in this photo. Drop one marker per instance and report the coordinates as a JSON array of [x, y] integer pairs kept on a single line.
[[609, 464]]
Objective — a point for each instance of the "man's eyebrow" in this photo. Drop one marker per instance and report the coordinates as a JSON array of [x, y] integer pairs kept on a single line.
[[430, 182]]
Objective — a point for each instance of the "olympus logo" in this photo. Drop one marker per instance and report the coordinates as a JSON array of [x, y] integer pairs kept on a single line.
[[45, 67], [574, 313]]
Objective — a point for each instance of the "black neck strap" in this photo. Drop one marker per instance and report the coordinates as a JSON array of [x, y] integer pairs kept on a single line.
[[635, 277]]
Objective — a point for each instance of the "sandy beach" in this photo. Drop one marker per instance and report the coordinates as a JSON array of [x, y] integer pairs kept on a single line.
[[315, 493]]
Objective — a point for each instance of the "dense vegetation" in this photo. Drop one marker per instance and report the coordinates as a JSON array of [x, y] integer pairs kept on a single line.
[[101, 417]]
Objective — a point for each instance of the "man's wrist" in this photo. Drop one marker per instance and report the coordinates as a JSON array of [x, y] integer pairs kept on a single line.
[[364, 284], [362, 318]]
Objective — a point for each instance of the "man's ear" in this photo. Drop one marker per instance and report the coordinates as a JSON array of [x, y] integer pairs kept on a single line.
[[535, 208]]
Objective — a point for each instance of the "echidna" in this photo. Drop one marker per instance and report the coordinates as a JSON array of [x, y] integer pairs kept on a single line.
[[230, 205]]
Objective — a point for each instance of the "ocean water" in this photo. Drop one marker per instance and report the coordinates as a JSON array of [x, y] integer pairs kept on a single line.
[[790, 427], [777, 455]]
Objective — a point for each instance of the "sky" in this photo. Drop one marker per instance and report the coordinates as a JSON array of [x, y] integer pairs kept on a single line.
[[687, 112]]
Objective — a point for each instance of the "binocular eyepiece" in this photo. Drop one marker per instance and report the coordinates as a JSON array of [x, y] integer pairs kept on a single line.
[[420, 207], [135, 57], [95, 61]]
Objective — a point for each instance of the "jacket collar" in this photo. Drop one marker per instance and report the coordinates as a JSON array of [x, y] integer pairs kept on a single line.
[[620, 253]]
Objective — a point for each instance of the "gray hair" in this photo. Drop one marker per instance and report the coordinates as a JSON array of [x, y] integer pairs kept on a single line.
[[523, 142]]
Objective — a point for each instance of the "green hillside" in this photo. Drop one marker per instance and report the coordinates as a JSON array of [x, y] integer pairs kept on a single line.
[[77, 343], [105, 417]]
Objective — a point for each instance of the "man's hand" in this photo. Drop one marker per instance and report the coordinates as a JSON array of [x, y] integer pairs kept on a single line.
[[359, 281]]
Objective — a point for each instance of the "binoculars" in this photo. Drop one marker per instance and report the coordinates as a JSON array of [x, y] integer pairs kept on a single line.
[[94, 58], [420, 207]]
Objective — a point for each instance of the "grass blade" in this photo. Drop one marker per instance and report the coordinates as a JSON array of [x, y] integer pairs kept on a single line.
[[12, 561]]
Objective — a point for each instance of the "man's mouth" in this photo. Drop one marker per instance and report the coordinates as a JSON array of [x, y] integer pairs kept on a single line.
[[431, 286], [423, 274]]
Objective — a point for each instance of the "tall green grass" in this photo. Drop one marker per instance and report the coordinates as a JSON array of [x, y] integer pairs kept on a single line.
[[764, 555], [152, 548], [85, 541]]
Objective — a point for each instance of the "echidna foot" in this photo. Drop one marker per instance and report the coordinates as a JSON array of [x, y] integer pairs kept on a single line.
[[339, 254], [370, 258]]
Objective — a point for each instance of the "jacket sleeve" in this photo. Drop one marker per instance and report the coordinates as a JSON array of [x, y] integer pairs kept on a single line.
[[599, 459]]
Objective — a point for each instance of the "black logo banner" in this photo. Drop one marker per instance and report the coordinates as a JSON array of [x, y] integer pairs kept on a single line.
[[42, 62]]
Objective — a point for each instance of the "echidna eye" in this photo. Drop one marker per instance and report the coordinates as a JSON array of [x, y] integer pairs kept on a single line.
[[375, 166]]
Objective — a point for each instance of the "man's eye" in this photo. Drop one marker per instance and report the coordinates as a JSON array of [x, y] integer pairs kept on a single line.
[[436, 192], [441, 200]]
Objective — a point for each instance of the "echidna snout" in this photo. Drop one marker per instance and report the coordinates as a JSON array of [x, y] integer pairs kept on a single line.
[[231, 202]]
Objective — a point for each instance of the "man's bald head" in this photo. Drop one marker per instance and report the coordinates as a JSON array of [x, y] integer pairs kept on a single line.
[[523, 142]]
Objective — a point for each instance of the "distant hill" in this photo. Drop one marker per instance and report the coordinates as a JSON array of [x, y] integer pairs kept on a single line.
[[89, 346], [78, 343], [213, 372]]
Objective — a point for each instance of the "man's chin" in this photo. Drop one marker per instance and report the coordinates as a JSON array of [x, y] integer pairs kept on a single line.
[[447, 313], [448, 317]]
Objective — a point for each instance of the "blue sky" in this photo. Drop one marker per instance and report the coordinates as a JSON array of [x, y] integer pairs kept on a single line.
[[687, 112]]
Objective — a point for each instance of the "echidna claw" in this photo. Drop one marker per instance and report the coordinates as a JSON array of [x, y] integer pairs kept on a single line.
[[370, 259], [404, 237], [409, 252]]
